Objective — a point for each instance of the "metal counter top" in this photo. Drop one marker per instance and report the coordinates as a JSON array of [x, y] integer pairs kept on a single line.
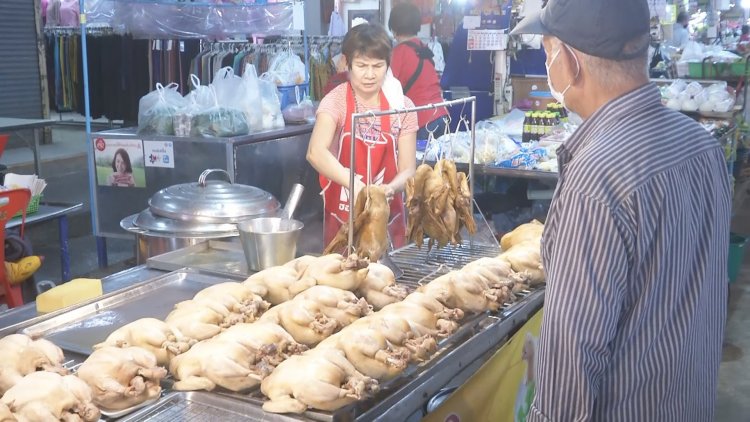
[[18, 318], [267, 135]]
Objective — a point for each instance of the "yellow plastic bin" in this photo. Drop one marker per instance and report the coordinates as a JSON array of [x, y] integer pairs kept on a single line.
[[736, 253]]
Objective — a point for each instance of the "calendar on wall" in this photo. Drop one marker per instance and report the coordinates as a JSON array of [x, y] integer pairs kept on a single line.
[[486, 39]]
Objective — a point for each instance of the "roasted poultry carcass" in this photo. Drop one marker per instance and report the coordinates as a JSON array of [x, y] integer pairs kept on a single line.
[[439, 205], [5, 414], [321, 379], [379, 287], [20, 356], [198, 320], [237, 297], [122, 377], [465, 291], [47, 396], [279, 284], [214, 362], [269, 343], [368, 349], [371, 214], [423, 319], [398, 331], [341, 305], [495, 272], [154, 335], [526, 259], [336, 271], [304, 319], [529, 231], [300, 264]]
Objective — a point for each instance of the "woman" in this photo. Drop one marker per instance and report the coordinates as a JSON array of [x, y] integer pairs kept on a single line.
[[412, 64], [389, 141], [122, 170]]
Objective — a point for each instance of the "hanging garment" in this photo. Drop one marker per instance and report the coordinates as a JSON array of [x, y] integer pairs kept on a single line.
[[437, 55], [336, 28]]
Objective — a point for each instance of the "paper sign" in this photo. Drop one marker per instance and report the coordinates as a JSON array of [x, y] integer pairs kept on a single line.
[[119, 163], [486, 39], [159, 154], [298, 16], [472, 22]]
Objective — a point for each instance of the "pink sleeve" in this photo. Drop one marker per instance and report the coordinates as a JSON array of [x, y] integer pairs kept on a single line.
[[334, 104], [410, 124]]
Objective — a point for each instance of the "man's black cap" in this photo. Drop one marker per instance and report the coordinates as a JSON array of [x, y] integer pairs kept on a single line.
[[599, 28]]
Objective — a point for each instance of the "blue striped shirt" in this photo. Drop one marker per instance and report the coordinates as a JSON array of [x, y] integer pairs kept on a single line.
[[635, 248]]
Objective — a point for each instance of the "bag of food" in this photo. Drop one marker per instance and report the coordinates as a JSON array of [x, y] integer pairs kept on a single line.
[[287, 69], [156, 110], [219, 121], [301, 111], [270, 104]]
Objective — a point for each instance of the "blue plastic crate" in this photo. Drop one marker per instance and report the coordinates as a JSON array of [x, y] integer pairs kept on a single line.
[[287, 94]]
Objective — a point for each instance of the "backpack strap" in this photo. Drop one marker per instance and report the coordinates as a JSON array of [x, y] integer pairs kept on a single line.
[[423, 55]]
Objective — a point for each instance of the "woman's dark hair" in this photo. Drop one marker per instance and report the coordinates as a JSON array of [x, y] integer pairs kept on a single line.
[[125, 157], [745, 29], [368, 40], [682, 17], [405, 19]]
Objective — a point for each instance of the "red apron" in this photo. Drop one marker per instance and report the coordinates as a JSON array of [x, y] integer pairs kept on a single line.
[[382, 150]]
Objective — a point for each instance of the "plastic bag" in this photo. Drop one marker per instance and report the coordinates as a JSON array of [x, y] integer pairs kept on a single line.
[[301, 111], [240, 93], [156, 110], [287, 69], [270, 104], [219, 121]]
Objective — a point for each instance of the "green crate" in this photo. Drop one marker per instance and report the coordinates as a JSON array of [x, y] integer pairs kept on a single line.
[[32, 207], [711, 70], [736, 254]]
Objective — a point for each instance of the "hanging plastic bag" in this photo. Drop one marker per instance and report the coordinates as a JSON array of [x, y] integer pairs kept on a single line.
[[198, 100], [219, 121], [251, 93], [301, 111], [287, 69], [270, 104], [156, 110]]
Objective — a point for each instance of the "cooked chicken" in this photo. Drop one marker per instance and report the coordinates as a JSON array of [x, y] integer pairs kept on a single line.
[[414, 210], [122, 377], [269, 343], [5, 414], [522, 233], [300, 264], [434, 306], [236, 297], [379, 287], [463, 291], [525, 258], [20, 356], [304, 319], [495, 272], [369, 351], [47, 396], [197, 321], [371, 214], [279, 283], [463, 204], [154, 335], [398, 331], [209, 363], [421, 320], [323, 380], [336, 271], [341, 305]]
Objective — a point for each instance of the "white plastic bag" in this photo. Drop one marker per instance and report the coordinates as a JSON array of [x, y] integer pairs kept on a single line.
[[287, 69], [301, 111], [270, 104], [251, 100], [219, 121], [156, 110]]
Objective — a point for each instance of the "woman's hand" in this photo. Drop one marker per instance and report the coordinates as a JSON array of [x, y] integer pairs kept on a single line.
[[389, 192]]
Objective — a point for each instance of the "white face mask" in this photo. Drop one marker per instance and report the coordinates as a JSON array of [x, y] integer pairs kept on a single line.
[[557, 95]]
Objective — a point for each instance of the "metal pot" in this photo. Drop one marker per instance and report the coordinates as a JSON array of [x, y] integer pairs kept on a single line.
[[184, 215]]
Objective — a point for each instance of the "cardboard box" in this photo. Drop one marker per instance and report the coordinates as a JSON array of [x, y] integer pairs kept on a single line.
[[522, 87]]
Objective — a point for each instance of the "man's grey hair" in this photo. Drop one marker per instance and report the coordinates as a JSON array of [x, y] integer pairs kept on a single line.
[[619, 72]]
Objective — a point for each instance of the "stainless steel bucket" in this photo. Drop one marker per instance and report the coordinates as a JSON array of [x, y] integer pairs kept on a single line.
[[268, 242]]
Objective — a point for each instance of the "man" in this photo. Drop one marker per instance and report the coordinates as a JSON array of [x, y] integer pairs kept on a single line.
[[680, 33], [635, 244]]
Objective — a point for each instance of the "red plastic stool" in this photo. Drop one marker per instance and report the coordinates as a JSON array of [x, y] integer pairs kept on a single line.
[[11, 202]]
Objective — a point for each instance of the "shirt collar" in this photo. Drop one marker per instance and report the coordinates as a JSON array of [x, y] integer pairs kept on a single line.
[[614, 111]]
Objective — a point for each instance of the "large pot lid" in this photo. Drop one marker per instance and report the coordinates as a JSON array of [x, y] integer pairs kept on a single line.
[[212, 201], [146, 221]]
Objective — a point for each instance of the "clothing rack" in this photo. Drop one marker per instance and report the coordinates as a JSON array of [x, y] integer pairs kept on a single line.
[[373, 114]]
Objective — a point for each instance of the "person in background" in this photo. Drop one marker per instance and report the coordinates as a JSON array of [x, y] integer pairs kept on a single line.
[[413, 66], [122, 170], [636, 264], [743, 44], [745, 37], [680, 33], [341, 76], [388, 141]]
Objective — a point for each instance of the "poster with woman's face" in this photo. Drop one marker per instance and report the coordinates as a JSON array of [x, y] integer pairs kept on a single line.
[[119, 163]]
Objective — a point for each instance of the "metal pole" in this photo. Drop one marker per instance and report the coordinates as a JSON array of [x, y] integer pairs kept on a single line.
[[352, 141], [473, 151]]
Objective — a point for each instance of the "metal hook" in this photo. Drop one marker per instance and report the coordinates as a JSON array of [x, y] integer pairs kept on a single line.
[[463, 107]]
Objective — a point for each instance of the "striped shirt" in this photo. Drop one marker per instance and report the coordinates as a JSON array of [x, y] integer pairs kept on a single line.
[[635, 248]]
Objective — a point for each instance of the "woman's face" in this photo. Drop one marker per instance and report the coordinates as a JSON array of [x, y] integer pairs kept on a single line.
[[367, 75], [120, 164]]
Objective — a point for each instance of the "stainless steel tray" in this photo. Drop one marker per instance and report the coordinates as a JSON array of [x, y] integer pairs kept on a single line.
[[212, 256], [79, 329], [200, 406]]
